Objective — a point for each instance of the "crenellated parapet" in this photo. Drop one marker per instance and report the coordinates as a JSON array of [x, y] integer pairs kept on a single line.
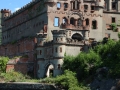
[[74, 42], [56, 32], [5, 11]]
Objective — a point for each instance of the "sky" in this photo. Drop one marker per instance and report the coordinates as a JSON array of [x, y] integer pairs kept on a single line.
[[13, 5]]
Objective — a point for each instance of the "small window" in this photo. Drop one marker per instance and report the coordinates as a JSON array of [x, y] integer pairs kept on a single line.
[[58, 66], [72, 21], [87, 21], [60, 49], [65, 5], [79, 22], [86, 7], [94, 24], [40, 52], [58, 5], [113, 19], [113, 5], [56, 21], [92, 8], [65, 21]]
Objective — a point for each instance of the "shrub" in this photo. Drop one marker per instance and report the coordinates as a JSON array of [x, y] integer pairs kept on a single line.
[[3, 62]]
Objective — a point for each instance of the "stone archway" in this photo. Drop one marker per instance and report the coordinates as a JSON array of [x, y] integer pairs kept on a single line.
[[49, 70], [77, 36]]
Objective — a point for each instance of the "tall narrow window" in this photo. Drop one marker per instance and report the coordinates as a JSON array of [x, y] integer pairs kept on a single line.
[[40, 52], [76, 5], [60, 49], [92, 8], [56, 21], [58, 5], [87, 21], [94, 24], [79, 22], [72, 21]]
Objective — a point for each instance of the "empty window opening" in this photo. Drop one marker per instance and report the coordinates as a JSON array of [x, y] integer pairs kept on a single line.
[[60, 49], [86, 7], [58, 5], [58, 66], [92, 8], [56, 21], [113, 19], [65, 21], [40, 52], [94, 24], [79, 22], [75, 5], [72, 21], [87, 21], [77, 36], [65, 5], [113, 5]]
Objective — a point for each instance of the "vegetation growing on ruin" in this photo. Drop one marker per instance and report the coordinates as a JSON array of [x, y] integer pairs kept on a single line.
[[3, 62], [78, 69], [114, 26]]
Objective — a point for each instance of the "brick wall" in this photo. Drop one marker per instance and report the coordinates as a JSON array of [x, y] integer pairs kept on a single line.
[[24, 47]]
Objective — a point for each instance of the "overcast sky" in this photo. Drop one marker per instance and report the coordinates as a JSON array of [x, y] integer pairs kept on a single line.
[[13, 5]]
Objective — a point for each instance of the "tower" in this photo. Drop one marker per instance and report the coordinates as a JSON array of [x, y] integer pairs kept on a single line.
[[59, 41]]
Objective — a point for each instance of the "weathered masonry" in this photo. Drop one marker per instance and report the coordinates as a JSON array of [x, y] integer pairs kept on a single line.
[[44, 30]]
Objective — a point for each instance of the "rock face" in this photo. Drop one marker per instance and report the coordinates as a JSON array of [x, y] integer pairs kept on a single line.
[[26, 86]]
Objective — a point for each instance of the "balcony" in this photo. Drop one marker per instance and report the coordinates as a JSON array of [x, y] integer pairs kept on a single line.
[[70, 26]]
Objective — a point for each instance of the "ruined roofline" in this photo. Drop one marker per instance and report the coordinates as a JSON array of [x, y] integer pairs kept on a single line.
[[22, 9]]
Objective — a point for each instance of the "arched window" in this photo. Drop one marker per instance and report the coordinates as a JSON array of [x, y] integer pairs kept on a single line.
[[87, 21], [64, 21], [72, 21], [77, 36], [79, 22], [94, 24]]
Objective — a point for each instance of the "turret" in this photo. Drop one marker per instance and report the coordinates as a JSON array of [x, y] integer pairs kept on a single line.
[[41, 38], [5, 12], [59, 40]]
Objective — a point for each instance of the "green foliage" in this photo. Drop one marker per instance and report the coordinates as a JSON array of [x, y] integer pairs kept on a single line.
[[119, 35], [3, 62], [114, 26], [83, 62], [67, 80], [12, 76]]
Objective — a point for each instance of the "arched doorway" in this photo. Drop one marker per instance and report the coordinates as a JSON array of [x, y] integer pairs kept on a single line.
[[49, 70], [77, 36]]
